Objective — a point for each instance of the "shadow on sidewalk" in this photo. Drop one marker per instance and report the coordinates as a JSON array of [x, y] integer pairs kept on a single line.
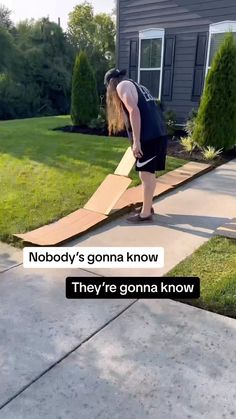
[[202, 226], [197, 225], [7, 261]]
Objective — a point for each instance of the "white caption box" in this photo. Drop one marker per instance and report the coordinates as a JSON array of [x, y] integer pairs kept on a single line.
[[95, 257]]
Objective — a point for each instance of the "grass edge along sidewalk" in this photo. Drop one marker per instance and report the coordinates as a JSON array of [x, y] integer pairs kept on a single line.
[[215, 263], [74, 225], [45, 174]]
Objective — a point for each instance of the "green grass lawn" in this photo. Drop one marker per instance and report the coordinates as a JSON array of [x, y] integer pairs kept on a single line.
[[47, 174], [215, 264]]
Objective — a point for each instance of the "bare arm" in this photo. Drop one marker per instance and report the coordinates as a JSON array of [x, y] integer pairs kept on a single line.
[[129, 96]]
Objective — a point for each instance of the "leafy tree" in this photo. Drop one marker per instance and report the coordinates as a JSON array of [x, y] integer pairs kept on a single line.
[[46, 57], [18, 100], [81, 28], [94, 34], [37, 58], [84, 102], [5, 18], [216, 120], [6, 48], [104, 33], [36, 70], [114, 10]]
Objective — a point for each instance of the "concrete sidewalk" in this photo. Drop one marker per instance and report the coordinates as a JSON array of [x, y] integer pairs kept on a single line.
[[186, 218], [9, 257], [158, 360], [121, 359], [39, 326]]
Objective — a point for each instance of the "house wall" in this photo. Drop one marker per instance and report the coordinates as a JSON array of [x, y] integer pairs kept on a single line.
[[186, 19]]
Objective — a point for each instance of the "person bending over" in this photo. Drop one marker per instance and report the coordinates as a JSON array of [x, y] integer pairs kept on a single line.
[[131, 106]]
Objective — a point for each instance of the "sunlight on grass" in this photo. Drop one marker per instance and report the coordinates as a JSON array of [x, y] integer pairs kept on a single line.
[[215, 264], [47, 174]]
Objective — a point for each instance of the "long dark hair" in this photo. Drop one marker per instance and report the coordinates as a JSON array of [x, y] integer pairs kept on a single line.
[[115, 112]]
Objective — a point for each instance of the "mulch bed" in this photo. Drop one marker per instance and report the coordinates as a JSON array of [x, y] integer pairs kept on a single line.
[[175, 149], [89, 131]]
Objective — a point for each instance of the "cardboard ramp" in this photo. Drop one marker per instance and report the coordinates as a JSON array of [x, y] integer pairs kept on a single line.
[[228, 230], [108, 193], [126, 164], [112, 195], [66, 228], [194, 168], [83, 220], [183, 174], [134, 196]]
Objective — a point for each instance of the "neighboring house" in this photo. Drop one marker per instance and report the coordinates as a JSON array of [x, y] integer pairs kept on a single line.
[[168, 46]]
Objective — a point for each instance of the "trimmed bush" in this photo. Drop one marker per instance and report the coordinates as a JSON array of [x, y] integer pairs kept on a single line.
[[210, 153], [98, 123], [84, 98], [170, 118], [188, 144], [216, 120], [190, 124]]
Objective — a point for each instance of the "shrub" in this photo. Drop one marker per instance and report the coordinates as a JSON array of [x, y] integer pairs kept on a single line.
[[191, 122], [210, 153], [216, 120], [170, 119], [188, 144], [17, 99], [103, 113], [98, 123], [190, 126], [84, 100]]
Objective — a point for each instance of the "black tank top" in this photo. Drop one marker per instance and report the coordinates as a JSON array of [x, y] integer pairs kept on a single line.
[[153, 124]]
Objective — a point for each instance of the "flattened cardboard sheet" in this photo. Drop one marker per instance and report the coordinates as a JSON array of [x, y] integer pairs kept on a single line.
[[108, 193], [66, 228], [126, 164]]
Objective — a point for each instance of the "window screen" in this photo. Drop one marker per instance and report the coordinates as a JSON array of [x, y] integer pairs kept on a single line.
[[150, 64], [216, 41]]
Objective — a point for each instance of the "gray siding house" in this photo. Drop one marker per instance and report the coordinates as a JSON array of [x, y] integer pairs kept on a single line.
[[168, 46]]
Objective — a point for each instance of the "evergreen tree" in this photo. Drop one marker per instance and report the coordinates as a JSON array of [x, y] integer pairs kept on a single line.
[[6, 48], [216, 120], [84, 98]]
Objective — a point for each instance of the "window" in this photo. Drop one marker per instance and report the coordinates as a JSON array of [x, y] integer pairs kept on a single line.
[[216, 37], [151, 48]]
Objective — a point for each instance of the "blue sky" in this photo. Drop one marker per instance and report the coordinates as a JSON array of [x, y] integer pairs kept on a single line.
[[26, 9]]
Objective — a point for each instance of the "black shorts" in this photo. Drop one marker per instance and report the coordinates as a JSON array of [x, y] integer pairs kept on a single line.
[[154, 155]]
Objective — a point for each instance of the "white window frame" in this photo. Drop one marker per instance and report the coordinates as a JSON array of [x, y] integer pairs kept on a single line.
[[220, 27], [153, 33]]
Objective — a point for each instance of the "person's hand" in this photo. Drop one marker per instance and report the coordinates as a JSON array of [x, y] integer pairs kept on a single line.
[[137, 151]]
